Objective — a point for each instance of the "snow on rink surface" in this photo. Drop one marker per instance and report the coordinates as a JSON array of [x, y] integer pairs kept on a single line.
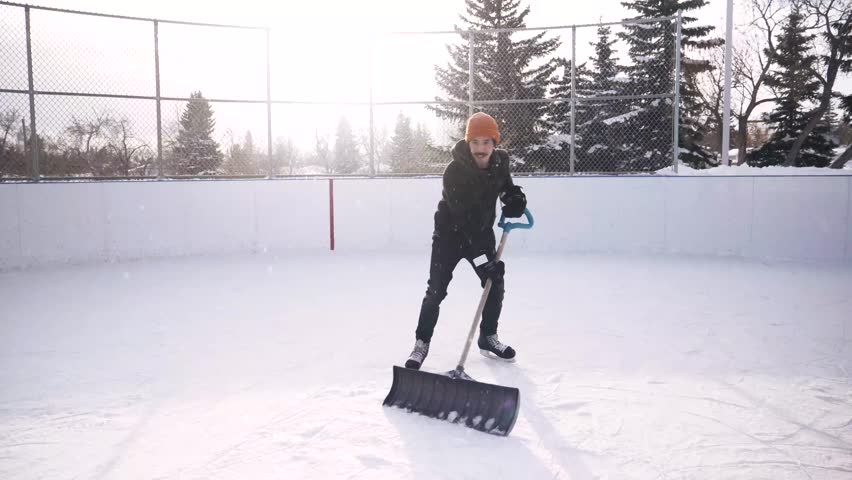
[[264, 366]]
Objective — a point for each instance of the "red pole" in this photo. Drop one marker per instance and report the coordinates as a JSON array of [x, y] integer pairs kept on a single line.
[[331, 212]]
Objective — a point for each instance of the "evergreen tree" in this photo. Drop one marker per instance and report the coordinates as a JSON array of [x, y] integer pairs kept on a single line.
[[431, 159], [503, 70], [845, 123], [411, 149], [845, 131], [796, 87], [242, 159], [195, 152], [602, 136], [402, 146], [652, 51], [347, 159], [557, 152], [250, 151], [846, 107]]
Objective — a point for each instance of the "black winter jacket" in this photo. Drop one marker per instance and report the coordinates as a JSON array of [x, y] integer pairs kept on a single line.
[[468, 201]]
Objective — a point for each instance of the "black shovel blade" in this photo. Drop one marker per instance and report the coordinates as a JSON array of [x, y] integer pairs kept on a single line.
[[488, 408]]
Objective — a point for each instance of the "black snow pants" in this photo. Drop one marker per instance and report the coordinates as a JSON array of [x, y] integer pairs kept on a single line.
[[447, 251]]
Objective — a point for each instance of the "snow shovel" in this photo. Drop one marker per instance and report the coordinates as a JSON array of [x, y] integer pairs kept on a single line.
[[454, 396]]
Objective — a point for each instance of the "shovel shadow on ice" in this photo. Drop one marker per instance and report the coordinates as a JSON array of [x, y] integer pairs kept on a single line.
[[442, 449], [569, 458]]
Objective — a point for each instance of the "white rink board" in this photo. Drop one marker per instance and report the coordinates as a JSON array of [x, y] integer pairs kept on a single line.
[[789, 218]]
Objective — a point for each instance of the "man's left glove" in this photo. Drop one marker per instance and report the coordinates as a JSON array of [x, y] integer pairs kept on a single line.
[[514, 202]]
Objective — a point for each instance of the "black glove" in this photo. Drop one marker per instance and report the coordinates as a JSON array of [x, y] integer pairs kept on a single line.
[[491, 269], [494, 270], [514, 202]]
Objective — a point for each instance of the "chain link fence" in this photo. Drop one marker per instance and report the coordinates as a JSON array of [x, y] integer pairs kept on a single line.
[[86, 95]]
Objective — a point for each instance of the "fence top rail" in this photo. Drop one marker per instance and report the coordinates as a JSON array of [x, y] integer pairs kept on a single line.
[[579, 98], [128, 17], [257, 27]]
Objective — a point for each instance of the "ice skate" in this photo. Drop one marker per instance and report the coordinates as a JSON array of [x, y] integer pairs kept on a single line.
[[490, 346]]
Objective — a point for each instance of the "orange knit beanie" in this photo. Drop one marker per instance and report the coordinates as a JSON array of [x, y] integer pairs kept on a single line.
[[482, 125]]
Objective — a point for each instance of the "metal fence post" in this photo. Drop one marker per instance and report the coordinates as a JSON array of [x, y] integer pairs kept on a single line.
[[33, 132], [159, 110], [470, 73], [676, 118], [726, 112], [268, 110], [573, 97], [370, 85]]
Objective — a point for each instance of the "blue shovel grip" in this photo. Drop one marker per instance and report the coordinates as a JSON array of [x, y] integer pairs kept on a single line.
[[508, 226]]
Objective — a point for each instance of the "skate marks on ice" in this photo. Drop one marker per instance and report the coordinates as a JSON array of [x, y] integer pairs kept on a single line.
[[343, 431], [106, 469], [761, 427], [537, 425], [331, 432], [805, 435], [220, 433], [620, 384]]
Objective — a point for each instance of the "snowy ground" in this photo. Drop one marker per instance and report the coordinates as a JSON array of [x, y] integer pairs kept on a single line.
[[256, 367], [747, 170]]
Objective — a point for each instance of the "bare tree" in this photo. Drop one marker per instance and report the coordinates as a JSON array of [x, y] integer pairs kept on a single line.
[[8, 120], [834, 19], [128, 147], [751, 66], [323, 153], [711, 90], [84, 135], [286, 155], [380, 141]]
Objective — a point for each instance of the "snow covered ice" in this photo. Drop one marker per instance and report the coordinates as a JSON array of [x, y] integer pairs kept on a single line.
[[265, 366]]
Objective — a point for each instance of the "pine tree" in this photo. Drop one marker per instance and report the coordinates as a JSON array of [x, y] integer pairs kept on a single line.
[[602, 136], [845, 120], [503, 70], [652, 50], [796, 87], [195, 152], [557, 152], [347, 159], [402, 146], [430, 158], [844, 133], [846, 107], [411, 149], [252, 165], [242, 159]]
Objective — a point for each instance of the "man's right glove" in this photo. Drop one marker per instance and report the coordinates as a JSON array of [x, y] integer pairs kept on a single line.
[[514, 202]]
